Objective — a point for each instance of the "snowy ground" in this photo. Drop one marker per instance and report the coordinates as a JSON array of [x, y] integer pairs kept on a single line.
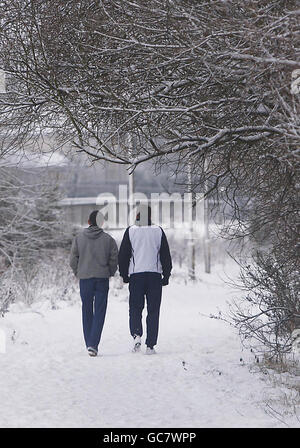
[[196, 379]]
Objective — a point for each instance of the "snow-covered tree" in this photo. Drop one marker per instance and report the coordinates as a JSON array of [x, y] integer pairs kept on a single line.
[[208, 85], [31, 228], [189, 78]]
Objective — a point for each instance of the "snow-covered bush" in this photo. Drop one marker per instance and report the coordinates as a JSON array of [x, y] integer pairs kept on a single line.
[[270, 309], [51, 279], [32, 228]]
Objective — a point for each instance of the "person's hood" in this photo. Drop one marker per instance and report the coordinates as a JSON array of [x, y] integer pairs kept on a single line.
[[93, 232]]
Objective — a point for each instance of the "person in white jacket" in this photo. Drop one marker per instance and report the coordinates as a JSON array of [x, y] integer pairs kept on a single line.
[[145, 263]]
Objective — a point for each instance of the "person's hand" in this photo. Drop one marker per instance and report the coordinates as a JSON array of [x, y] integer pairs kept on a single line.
[[165, 281], [126, 279]]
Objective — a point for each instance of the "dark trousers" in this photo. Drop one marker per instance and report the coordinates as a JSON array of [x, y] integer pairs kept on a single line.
[[93, 292], [141, 285]]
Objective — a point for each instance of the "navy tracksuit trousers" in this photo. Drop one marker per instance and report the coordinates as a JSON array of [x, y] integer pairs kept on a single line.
[[93, 292], [141, 285]]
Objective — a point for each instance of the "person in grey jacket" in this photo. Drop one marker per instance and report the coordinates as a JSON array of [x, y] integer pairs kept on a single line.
[[93, 259]]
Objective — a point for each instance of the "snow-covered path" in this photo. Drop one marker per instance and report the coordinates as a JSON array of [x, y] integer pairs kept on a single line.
[[195, 380]]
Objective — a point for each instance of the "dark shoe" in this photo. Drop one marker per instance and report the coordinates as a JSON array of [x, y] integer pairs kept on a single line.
[[92, 351]]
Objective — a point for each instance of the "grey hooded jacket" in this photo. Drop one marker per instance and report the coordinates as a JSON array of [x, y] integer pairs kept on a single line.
[[94, 253]]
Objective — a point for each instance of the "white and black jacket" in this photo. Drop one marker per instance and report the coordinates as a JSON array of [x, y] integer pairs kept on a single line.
[[144, 249]]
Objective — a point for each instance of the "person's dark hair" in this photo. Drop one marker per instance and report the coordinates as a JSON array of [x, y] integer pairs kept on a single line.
[[144, 214], [93, 218]]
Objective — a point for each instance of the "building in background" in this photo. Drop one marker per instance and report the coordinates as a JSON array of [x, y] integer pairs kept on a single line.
[[79, 180]]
